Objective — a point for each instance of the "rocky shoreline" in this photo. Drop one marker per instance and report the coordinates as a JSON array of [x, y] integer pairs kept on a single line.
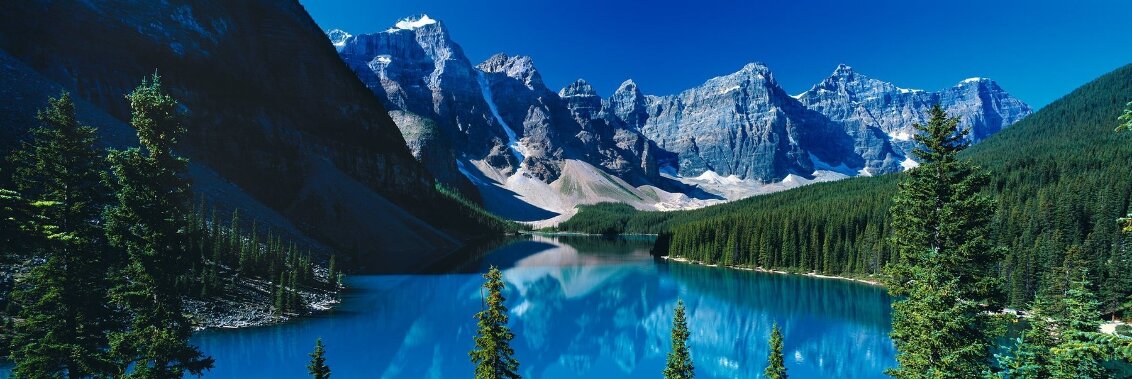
[[760, 269], [250, 302]]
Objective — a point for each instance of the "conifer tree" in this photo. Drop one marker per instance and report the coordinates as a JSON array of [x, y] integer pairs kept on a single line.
[[492, 355], [149, 224], [63, 301], [775, 364], [1077, 355], [944, 264], [1030, 357], [679, 364], [317, 366], [332, 276]]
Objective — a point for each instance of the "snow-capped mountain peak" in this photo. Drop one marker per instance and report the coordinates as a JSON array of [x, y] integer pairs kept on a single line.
[[338, 37], [412, 23]]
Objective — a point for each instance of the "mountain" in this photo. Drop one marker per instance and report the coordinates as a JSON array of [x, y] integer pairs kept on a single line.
[[744, 124], [1059, 179], [526, 151], [278, 126], [880, 115], [530, 153]]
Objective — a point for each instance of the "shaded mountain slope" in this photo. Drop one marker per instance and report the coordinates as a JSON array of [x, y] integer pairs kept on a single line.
[[269, 107]]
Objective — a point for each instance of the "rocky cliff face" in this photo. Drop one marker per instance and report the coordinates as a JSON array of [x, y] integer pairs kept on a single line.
[[499, 112], [880, 115], [415, 67], [741, 128], [740, 124]]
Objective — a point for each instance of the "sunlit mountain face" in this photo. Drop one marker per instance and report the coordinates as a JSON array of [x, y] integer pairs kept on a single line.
[[585, 307]]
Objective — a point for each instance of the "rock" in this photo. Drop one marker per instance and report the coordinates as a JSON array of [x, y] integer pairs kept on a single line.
[[880, 115]]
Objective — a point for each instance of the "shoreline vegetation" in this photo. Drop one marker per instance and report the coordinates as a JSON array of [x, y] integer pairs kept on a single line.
[[1107, 327], [870, 282]]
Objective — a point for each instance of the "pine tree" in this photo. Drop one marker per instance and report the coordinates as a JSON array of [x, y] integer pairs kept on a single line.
[[332, 273], [317, 367], [679, 364], [1030, 357], [944, 264], [492, 355], [1125, 118], [1077, 355], [149, 223], [775, 363], [63, 301]]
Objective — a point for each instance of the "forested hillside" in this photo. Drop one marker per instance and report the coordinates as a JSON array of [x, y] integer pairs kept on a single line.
[[1060, 179]]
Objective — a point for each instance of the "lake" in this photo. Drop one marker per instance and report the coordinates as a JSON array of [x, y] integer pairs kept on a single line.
[[581, 307]]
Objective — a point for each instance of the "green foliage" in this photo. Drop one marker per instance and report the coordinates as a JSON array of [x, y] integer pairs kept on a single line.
[[775, 365], [943, 264], [1030, 357], [150, 223], [1124, 330], [1056, 176], [1062, 341], [1125, 118], [317, 366], [456, 202], [492, 355], [63, 309], [1077, 355], [679, 364], [221, 254]]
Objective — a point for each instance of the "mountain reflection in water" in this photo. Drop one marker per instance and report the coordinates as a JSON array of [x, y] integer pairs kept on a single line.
[[580, 307]]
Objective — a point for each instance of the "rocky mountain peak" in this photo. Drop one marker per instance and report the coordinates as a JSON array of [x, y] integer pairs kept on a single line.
[[629, 104], [843, 70], [518, 67], [579, 88], [628, 87], [338, 38]]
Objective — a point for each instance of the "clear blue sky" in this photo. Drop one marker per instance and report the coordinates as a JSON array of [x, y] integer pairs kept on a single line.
[[1038, 50]]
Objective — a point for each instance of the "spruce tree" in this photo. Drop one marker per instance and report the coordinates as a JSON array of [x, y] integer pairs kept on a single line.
[[775, 363], [492, 355], [1077, 354], [1030, 357], [63, 301], [679, 364], [149, 222], [944, 263], [317, 366], [332, 276]]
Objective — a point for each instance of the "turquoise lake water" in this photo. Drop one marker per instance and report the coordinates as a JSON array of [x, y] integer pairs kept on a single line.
[[581, 307]]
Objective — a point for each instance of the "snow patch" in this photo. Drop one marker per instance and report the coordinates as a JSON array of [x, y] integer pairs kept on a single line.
[[909, 163], [972, 80], [512, 140], [468, 174], [902, 135], [412, 23], [823, 166], [729, 90], [714, 178], [906, 90], [383, 59]]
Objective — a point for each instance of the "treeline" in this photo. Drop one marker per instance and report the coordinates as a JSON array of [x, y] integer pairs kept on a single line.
[[1059, 179], [227, 254], [476, 213]]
